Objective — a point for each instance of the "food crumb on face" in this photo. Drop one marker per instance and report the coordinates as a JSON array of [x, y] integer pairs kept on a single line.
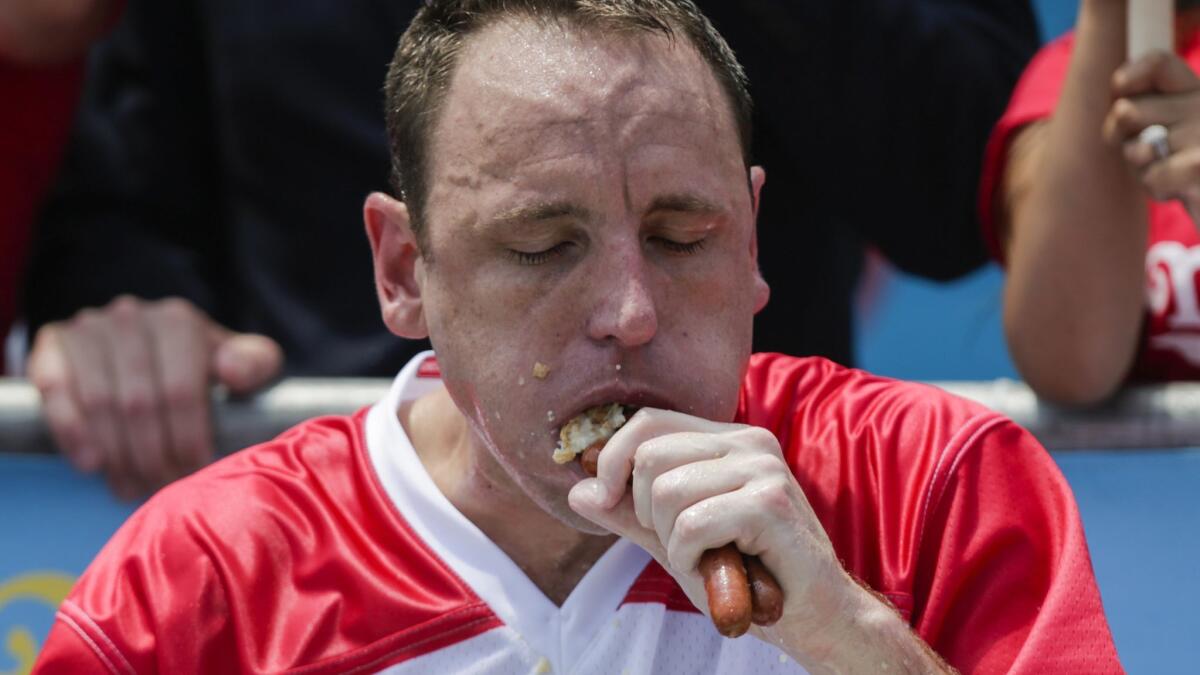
[[618, 366], [540, 370], [550, 416], [521, 381]]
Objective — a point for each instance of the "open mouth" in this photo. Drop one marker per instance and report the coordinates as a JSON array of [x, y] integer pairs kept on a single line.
[[590, 430]]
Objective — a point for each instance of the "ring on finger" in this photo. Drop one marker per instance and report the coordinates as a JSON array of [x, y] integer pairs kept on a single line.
[[1157, 137]]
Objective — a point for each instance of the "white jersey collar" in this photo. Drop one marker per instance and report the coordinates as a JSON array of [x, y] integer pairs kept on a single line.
[[559, 633]]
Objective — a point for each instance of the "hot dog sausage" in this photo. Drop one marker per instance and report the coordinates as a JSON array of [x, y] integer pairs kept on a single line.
[[765, 593], [729, 603]]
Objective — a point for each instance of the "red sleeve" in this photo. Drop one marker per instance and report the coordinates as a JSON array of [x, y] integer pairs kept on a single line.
[[1004, 583], [1034, 99], [152, 579], [70, 649]]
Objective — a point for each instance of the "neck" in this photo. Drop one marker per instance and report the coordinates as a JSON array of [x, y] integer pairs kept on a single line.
[[552, 554]]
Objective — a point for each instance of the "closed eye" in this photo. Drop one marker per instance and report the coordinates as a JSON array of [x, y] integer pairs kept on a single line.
[[681, 247], [540, 257]]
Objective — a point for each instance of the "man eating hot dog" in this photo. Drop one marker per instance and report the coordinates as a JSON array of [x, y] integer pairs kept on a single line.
[[574, 227]]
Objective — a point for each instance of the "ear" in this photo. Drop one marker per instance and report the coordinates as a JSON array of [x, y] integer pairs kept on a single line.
[[399, 269], [762, 292]]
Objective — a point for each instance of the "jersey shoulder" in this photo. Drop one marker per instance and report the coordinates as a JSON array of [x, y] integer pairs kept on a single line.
[[873, 455], [284, 554], [805, 400]]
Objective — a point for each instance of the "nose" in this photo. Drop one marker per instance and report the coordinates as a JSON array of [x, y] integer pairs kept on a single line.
[[624, 309]]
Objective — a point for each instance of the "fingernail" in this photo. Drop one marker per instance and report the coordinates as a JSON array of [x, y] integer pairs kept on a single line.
[[589, 494]]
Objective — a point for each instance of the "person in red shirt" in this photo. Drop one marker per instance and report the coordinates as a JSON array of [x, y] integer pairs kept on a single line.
[[1095, 229], [576, 227]]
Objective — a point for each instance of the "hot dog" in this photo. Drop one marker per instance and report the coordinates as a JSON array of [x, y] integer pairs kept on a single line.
[[740, 588]]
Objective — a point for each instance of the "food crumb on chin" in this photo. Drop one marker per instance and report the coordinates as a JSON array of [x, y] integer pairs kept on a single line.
[[618, 366], [521, 381], [549, 415], [540, 370]]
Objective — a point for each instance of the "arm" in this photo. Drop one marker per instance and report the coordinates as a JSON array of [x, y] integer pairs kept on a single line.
[[929, 79], [1074, 223], [46, 32]]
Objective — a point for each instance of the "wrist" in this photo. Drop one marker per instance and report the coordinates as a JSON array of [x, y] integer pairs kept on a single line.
[[868, 635]]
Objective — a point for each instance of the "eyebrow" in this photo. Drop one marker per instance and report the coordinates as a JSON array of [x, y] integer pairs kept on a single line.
[[539, 212], [684, 203]]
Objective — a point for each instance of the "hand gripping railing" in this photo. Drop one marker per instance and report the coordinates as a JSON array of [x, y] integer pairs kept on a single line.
[[1161, 416], [238, 422]]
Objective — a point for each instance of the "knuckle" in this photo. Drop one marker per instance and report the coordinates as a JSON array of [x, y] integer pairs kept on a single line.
[[124, 308], [775, 497], [96, 400], [688, 525], [176, 309], [137, 403], [664, 491], [1126, 113], [85, 320], [763, 465], [48, 383], [760, 437], [181, 394]]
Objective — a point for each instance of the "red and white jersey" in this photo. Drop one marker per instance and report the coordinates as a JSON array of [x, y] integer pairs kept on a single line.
[[330, 550], [1170, 346]]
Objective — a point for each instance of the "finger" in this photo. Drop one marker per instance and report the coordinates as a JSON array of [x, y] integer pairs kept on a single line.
[[181, 350], [49, 371], [245, 362], [664, 453], [712, 523], [1140, 155], [135, 378], [679, 489], [1128, 117], [1176, 177], [87, 352], [1156, 72], [616, 462], [588, 499]]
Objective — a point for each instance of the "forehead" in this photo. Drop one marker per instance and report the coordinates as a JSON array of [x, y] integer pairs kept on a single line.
[[528, 92]]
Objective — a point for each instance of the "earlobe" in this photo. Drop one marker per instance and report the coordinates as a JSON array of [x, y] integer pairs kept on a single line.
[[397, 265], [762, 292]]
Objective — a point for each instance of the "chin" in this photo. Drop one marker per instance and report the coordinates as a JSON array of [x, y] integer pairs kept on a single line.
[[556, 506]]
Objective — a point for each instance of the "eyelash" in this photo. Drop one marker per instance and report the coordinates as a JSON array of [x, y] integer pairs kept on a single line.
[[684, 248], [540, 257], [543, 257]]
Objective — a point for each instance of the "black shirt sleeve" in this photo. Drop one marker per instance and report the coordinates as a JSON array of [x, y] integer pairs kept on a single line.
[[135, 207]]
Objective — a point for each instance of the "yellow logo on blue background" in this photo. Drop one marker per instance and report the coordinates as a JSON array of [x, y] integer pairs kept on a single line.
[[27, 606]]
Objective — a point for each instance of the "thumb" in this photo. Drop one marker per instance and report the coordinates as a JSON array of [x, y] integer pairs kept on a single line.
[[589, 498], [244, 362]]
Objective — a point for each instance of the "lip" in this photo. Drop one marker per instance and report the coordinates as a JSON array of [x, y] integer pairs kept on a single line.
[[626, 394]]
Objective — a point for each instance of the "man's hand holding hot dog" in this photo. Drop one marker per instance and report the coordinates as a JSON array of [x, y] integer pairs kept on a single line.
[[679, 485]]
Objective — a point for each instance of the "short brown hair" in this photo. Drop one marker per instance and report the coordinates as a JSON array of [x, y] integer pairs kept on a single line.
[[424, 63]]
